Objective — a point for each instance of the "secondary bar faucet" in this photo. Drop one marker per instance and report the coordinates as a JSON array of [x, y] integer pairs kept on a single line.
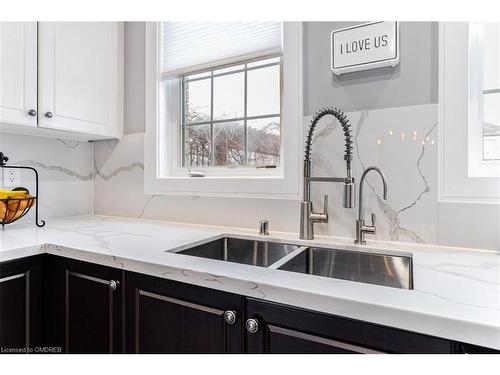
[[361, 228], [307, 215]]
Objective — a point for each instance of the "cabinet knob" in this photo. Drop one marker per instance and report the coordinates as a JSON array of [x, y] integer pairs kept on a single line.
[[48, 114], [32, 112], [113, 285], [252, 325], [230, 316]]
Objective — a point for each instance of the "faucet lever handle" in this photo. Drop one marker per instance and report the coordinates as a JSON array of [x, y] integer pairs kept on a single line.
[[374, 218], [325, 205]]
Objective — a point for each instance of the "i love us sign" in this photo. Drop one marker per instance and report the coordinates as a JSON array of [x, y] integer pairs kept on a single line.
[[368, 46]]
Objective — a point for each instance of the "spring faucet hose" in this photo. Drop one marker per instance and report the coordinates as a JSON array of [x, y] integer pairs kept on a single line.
[[344, 122]]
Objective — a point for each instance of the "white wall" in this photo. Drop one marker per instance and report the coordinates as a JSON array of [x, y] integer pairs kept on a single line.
[[412, 82], [412, 213], [134, 70], [65, 173]]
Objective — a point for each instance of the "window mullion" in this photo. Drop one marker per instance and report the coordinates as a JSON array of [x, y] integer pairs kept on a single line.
[[212, 122], [182, 122], [245, 114], [212, 145]]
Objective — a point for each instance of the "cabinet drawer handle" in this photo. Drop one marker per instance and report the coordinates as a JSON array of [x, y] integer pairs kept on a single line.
[[48, 114], [32, 112], [252, 325], [113, 285], [230, 316]]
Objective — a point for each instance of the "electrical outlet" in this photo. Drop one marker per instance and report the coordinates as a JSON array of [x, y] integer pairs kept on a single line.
[[11, 177]]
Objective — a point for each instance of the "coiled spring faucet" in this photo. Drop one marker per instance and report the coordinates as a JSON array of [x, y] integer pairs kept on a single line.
[[307, 215]]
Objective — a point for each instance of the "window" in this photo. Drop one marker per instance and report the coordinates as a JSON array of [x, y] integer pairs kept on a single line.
[[231, 116], [224, 99], [226, 78], [491, 91], [484, 99], [464, 174]]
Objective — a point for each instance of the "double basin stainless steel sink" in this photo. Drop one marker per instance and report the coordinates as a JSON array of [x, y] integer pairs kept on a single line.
[[373, 268]]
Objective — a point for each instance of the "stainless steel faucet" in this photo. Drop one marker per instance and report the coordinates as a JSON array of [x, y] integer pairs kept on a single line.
[[361, 228], [307, 215]]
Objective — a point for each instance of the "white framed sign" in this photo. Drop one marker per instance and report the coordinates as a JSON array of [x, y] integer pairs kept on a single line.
[[367, 46]]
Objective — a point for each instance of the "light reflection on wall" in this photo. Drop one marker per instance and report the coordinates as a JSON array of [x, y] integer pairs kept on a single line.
[[423, 142]]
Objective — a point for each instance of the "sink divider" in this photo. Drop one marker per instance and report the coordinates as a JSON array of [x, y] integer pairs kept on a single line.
[[287, 257]]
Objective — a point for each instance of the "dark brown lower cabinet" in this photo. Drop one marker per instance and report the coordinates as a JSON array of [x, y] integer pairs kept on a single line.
[[58, 304], [21, 305], [170, 317], [285, 329], [91, 303]]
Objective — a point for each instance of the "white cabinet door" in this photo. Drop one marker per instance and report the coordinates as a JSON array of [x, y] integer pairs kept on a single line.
[[81, 76], [18, 76]]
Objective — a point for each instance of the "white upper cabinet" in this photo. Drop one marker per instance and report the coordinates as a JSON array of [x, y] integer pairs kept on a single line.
[[81, 77], [18, 73], [62, 79]]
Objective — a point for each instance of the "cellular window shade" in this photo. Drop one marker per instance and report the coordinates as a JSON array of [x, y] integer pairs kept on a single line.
[[190, 46]]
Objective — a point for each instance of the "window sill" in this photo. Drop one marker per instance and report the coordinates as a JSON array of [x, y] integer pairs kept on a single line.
[[230, 178], [229, 187], [227, 173], [484, 168]]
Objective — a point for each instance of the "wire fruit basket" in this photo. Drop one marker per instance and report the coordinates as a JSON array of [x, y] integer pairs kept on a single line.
[[17, 205], [12, 209]]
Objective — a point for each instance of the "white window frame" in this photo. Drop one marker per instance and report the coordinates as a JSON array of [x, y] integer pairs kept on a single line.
[[176, 168], [459, 133], [478, 167], [162, 174]]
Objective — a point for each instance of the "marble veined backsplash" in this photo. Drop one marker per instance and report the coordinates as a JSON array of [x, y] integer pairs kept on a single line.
[[107, 177], [402, 141], [65, 173]]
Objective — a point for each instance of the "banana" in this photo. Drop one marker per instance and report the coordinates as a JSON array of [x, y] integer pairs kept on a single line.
[[13, 203], [5, 194]]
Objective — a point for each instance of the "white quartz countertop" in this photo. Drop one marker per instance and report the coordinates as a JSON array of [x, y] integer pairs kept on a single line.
[[456, 291]]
